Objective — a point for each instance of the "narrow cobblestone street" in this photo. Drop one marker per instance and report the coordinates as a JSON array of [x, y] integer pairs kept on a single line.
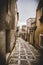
[[23, 54], [21, 32]]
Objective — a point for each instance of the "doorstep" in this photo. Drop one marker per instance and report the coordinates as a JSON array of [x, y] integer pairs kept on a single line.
[[7, 56]]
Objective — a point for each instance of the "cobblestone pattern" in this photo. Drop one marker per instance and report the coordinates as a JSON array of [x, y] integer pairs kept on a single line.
[[23, 54]]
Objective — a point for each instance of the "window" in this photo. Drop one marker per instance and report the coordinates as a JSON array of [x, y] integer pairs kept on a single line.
[[41, 11], [41, 40], [41, 18]]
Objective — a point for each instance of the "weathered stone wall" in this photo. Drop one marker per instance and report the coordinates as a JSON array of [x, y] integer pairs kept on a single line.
[[13, 22], [3, 12], [39, 25], [12, 12], [12, 40], [2, 43]]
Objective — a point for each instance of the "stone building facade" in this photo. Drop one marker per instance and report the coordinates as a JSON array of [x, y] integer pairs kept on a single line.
[[31, 26], [39, 24], [8, 23], [24, 32]]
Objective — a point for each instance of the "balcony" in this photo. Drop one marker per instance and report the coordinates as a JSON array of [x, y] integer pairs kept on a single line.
[[41, 19]]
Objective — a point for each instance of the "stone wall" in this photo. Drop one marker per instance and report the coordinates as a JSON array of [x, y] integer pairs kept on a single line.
[[39, 29], [12, 40], [3, 12], [2, 43]]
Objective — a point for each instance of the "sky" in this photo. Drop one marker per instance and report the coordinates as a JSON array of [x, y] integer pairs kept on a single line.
[[27, 9]]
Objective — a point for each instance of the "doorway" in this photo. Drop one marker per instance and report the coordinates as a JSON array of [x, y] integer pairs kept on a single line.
[[7, 40]]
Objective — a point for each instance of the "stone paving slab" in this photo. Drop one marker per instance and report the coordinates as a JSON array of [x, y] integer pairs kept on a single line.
[[24, 62]]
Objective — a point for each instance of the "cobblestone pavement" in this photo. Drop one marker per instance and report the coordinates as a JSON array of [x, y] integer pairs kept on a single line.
[[23, 54]]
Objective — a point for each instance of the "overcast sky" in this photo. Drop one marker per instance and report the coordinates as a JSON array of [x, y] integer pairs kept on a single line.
[[27, 9]]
